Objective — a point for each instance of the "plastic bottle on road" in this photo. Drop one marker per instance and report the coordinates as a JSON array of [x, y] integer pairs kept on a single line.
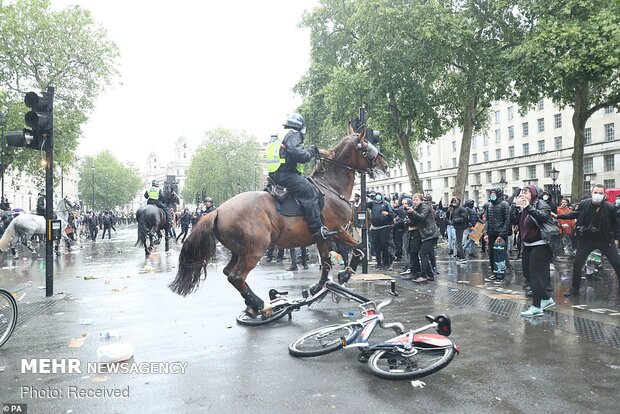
[[109, 334], [85, 321]]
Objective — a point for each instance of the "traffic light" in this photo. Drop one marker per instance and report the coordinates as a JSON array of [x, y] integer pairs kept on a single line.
[[23, 138], [40, 119]]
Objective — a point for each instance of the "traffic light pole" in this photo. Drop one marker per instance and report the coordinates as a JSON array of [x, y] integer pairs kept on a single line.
[[364, 229], [49, 208]]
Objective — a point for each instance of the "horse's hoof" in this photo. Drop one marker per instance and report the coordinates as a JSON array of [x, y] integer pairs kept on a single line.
[[267, 312], [250, 311]]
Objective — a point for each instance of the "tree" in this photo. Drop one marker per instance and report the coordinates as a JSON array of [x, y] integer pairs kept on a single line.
[[65, 49], [570, 53], [420, 68], [109, 183], [225, 164]]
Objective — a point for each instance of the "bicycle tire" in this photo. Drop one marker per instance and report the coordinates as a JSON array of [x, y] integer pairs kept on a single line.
[[327, 338], [8, 316], [278, 313], [395, 366]]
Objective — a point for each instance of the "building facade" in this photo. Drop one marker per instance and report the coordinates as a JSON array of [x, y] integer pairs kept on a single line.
[[515, 150]]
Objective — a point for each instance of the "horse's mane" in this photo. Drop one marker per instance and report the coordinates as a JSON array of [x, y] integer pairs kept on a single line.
[[319, 168]]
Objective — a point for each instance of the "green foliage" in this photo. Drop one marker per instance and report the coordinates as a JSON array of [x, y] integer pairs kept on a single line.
[[225, 164], [113, 183], [65, 49]]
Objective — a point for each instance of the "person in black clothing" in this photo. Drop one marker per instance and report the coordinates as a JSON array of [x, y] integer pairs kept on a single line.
[[497, 226], [422, 215], [460, 221], [381, 220], [107, 225], [41, 203], [597, 228], [398, 229], [546, 197], [93, 225], [185, 220], [413, 270]]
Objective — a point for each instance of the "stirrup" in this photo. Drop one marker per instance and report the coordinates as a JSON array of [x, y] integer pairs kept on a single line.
[[325, 233]]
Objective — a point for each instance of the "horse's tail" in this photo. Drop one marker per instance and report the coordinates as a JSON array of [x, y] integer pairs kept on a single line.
[[143, 231], [198, 249], [8, 235]]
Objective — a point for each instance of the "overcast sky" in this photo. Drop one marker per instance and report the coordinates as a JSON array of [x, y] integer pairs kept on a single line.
[[191, 66]]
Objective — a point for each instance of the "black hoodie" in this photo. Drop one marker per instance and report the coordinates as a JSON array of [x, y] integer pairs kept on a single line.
[[497, 216]]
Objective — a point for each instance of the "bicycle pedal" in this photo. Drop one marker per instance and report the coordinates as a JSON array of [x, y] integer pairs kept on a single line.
[[305, 293]]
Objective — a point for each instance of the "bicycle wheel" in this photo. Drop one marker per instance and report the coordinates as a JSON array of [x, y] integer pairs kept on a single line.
[[8, 315], [323, 340], [397, 366], [278, 313]]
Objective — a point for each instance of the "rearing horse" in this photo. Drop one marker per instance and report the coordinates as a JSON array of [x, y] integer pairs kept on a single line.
[[248, 223]]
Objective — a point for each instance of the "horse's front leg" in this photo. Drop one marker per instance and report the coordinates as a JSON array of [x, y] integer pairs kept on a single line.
[[14, 252], [326, 266], [29, 246]]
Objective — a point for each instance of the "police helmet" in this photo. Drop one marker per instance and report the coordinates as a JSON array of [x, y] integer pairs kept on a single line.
[[208, 200], [295, 121], [155, 183]]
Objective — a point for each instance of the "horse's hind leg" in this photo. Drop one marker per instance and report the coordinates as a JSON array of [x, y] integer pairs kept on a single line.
[[237, 276], [232, 263]]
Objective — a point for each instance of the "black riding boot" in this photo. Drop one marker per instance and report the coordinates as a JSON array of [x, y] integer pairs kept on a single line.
[[312, 214]]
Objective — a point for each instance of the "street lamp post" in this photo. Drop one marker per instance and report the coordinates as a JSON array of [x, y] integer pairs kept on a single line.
[[93, 170], [29, 200], [555, 187], [476, 188], [503, 183]]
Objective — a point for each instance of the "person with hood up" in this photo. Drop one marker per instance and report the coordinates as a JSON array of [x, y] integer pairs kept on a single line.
[[546, 197], [422, 216], [531, 213], [497, 226], [460, 221]]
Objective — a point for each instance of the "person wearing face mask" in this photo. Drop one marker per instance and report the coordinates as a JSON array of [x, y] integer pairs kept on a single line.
[[421, 215], [460, 222], [497, 227], [597, 227], [546, 197], [381, 219]]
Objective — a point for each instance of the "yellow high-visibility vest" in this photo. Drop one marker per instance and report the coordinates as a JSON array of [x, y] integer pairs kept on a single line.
[[153, 193]]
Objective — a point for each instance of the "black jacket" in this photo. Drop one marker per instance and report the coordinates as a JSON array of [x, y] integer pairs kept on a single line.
[[422, 216], [498, 219], [376, 218], [460, 217], [606, 222], [293, 151], [185, 219]]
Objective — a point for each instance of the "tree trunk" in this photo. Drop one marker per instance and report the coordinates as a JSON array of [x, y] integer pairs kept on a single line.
[[469, 121], [580, 116], [403, 141]]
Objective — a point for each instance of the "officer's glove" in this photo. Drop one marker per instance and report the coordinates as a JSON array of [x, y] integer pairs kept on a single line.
[[315, 151]]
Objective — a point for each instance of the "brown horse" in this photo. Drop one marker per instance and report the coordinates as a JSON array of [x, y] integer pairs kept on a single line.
[[248, 223]]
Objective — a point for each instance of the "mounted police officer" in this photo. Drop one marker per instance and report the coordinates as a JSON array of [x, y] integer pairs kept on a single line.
[[284, 163], [154, 196]]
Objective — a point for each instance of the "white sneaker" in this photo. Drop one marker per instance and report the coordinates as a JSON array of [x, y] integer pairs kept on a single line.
[[532, 312], [547, 303]]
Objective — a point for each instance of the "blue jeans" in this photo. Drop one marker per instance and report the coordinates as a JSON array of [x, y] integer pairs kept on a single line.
[[468, 244], [451, 237]]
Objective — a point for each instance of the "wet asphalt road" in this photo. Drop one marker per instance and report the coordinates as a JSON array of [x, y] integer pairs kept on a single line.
[[564, 362]]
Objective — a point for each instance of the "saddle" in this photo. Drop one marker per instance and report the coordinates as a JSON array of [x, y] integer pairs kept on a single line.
[[286, 203]]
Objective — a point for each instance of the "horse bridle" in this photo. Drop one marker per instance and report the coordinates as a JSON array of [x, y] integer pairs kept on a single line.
[[369, 152]]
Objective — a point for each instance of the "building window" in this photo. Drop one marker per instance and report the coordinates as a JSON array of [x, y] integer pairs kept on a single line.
[[446, 196], [541, 105], [486, 156], [609, 162], [184, 146], [429, 183], [445, 182], [510, 113], [454, 146], [531, 171], [474, 141], [453, 162], [515, 174], [421, 153], [557, 143], [587, 136], [511, 152], [478, 179], [588, 165], [498, 136], [511, 132], [489, 177], [526, 129], [609, 132], [547, 167], [541, 145], [497, 117], [541, 124], [178, 172], [609, 184], [474, 159], [485, 138], [184, 155], [609, 109], [428, 150], [428, 166], [498, 154], [421, 167], [526, 149], [557, 120]]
